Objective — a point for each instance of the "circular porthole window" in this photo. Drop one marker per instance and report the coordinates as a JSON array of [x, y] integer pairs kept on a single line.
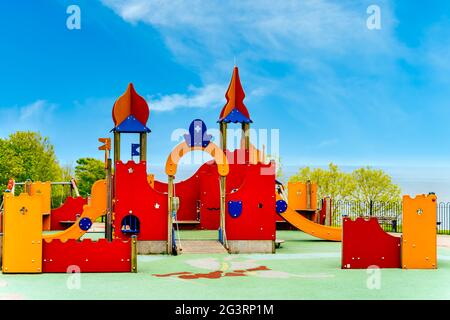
[[130, 224]]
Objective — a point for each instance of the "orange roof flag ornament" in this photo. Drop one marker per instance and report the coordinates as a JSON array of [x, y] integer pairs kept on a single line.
[[235, 110], [130, 112]]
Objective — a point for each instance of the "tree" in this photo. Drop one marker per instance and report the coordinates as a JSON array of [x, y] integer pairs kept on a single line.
[[373, 185], [332, 182], [87, 171], [60, 192], [363, 184], [27, 155]]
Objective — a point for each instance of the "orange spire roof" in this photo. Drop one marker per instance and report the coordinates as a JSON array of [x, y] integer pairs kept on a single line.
[[130, 104], [235, 110]]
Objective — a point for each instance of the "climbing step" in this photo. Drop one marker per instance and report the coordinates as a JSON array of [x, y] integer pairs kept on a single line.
[[202, 246]]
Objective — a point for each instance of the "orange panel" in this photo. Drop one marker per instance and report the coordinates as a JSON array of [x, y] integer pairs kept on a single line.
[[419, 232], [298, 196]]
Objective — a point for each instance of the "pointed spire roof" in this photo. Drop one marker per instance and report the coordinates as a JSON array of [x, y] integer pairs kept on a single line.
[[235, 110], [130, 104]]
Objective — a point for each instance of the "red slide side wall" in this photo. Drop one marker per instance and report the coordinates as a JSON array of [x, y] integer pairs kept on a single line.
[[67, 212], [365, 244], [87, 255]]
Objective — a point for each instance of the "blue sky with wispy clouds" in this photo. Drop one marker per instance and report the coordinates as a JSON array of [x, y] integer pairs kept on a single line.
[[336, 90]]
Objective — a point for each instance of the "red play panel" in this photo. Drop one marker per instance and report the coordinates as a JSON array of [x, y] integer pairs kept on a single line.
[[257, 194], [365, 244], [87, 255], [136, 199]]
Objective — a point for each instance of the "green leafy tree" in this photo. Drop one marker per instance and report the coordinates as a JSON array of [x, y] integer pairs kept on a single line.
[[27, 155], [61, 192], [87, 171], [375, 187], [330, 182], [368, 190]]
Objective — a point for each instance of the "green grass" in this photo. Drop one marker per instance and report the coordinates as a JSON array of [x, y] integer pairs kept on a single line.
[[303, 268]]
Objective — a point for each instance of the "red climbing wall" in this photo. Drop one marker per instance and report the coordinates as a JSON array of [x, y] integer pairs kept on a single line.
[[257, 193], [365, 244], [67, 212], [87, 255], [134, 195]]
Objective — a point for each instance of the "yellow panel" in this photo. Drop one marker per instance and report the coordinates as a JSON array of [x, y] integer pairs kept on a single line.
[[22, 234], [419, 232], [44, 188], [297, 196], [96, 208]]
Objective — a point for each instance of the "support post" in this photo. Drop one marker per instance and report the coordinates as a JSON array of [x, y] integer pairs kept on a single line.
[[223, 136], [328, 211], [134, 254], [169, 217], [222, 211], [116, 147], [308, 194], [109, 193], [143, 143]]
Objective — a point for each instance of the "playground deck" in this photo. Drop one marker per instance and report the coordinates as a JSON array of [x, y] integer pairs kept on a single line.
[[303, 268]]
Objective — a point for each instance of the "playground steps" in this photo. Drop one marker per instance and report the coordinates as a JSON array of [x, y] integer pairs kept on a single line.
[[202, 246]]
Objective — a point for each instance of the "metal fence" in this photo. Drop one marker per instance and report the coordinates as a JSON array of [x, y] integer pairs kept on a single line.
[[389, 214]]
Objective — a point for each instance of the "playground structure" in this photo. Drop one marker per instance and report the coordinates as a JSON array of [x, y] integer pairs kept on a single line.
[[236, 194], [365, 244]]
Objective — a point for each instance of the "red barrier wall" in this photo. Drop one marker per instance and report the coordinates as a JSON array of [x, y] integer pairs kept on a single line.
[[364, 244], [86, 256]]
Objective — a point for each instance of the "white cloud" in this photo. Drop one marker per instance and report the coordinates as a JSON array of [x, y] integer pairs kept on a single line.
[[33, 116], [210, 96], [35, 110], [286, 30]]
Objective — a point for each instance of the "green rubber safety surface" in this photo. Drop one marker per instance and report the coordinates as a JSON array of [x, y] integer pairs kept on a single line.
[[303, 268]]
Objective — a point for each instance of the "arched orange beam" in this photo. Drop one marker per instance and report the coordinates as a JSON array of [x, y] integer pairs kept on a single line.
[[212, 149]]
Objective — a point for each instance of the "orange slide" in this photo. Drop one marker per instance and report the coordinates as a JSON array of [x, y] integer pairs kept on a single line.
[[96, 208], [310, 227]]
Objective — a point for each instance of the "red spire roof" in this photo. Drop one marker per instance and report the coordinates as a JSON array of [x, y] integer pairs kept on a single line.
[[235, 109]]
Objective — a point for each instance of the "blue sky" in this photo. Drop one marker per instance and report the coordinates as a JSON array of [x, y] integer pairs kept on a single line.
[[336, 90]]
